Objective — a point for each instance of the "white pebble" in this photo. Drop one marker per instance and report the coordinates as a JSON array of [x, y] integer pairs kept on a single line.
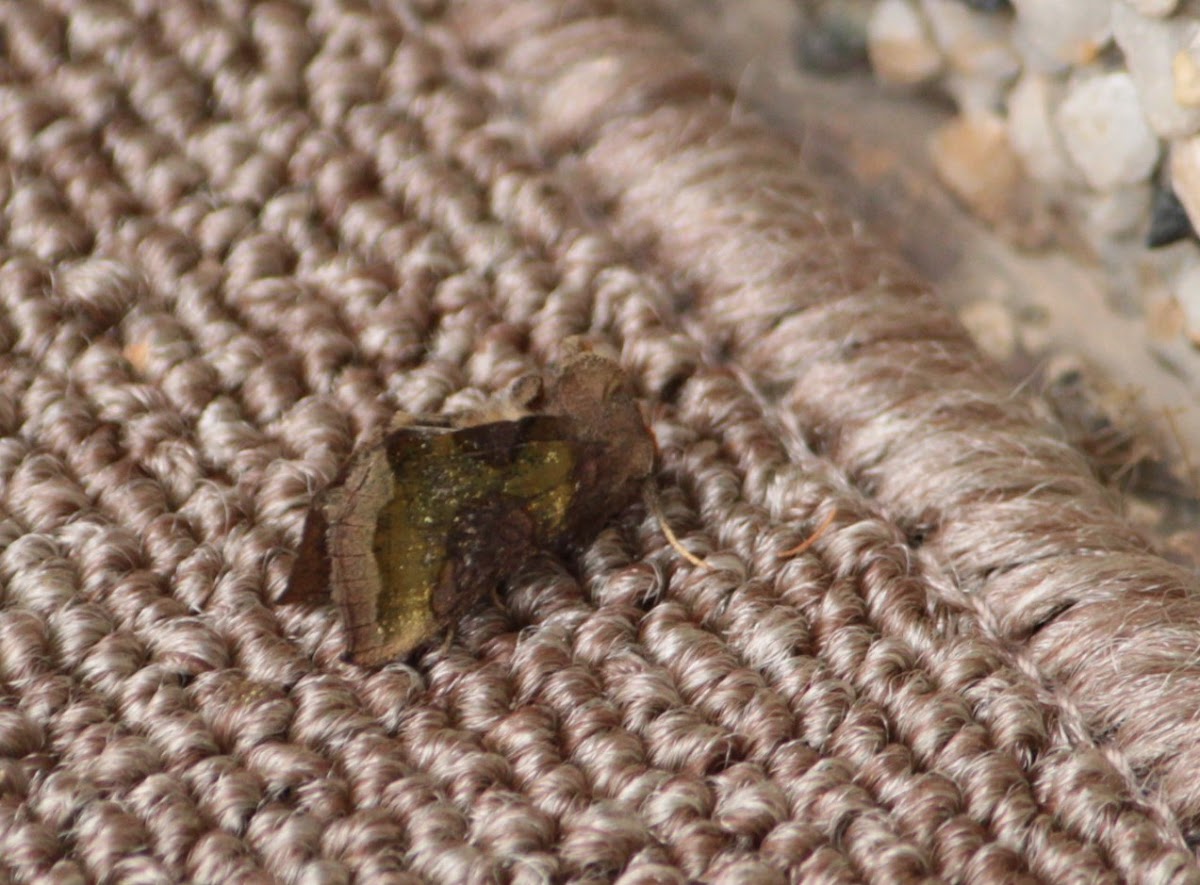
[[1187, 296], [1151, 46], [901, 49], [1116, 214], [1032, 133], [1105, 132], [978, 51], [991, 325], [974, 43], [1059, 33], [973, 94], [1156, 8], [1185, 175]]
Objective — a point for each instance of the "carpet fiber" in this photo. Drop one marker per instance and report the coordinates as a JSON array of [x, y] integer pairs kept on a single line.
[[237, 237]]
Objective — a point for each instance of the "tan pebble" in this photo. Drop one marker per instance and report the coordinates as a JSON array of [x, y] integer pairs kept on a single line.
[[1184, 546], [1143, 514], [138, 355], [991, 325], [901, 50], [1185, 74], [974, 159], [1164, 318]]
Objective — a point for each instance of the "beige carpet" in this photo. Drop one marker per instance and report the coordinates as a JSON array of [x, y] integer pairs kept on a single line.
[[237, 237]]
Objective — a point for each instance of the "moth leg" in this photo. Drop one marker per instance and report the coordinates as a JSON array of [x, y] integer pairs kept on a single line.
[[448, 641], [813, 537], [654, 505]]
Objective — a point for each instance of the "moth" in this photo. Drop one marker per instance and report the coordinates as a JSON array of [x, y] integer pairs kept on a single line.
[[432, 516]]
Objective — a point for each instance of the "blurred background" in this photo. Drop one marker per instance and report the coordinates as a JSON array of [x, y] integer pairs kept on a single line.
[[1039, 163]]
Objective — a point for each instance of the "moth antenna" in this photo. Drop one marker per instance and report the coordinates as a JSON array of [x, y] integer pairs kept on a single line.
[[813, 538], [652, 501]]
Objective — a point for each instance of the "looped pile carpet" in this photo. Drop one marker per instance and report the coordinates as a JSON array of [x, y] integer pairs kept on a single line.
[[238, 236]]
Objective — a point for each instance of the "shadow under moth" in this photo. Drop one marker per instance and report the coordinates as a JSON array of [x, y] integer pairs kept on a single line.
[[433, 516]]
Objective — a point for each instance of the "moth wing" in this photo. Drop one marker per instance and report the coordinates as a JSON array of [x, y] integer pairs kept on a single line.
[[468, 507], [351, 511], [429, 520]]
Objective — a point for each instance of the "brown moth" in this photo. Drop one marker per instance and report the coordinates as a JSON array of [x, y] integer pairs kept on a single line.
[[432, 517]]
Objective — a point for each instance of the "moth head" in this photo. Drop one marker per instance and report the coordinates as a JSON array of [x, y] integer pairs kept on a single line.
[[590, 390]]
